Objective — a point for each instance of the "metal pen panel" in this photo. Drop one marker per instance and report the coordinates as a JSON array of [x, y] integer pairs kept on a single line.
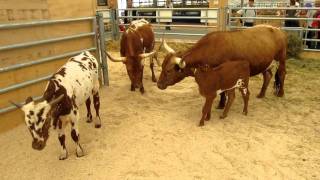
[[34, 43]]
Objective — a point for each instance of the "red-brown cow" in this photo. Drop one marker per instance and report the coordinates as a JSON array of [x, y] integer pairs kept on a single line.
[[137, 43], [259, 46]]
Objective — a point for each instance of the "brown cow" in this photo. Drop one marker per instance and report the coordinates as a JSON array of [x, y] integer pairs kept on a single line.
[[258, 45], [137, 43]]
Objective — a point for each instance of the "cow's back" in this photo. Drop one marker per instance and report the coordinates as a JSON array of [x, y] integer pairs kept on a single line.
[[136, 40], [258, 45], [79, 77]]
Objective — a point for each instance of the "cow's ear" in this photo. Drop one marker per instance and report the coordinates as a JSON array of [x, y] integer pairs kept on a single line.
[[29, 100]]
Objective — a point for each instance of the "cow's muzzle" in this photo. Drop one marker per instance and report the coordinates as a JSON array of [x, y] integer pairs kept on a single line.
[[38, 145]]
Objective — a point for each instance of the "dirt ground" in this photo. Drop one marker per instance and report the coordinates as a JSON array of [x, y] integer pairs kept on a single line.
[[156, 135]]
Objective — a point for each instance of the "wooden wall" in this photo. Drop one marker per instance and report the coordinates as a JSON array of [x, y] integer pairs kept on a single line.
[[13, 11]]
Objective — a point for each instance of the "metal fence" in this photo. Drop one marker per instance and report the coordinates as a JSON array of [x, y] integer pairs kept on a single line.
[[281, 18], [94, 34], [205, 20]]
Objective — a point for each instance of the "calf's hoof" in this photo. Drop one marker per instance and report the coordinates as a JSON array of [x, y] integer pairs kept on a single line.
[[97, 126], [63, 156], [223, 116], [245, 113], [89, 119], [79, 152]]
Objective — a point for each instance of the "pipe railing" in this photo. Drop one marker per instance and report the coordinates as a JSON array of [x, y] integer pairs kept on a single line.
[[46, 59]]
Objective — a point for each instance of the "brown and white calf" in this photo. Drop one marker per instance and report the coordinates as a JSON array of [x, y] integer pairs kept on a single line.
[[224, 78], [69, 88], [211, 81]]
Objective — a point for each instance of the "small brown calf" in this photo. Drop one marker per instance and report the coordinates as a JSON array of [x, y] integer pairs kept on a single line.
[[226, 77]]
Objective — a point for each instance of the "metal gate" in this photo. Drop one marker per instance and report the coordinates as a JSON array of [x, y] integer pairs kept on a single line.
[[15, 84]]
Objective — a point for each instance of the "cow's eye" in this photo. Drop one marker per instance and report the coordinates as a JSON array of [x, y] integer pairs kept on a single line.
[[177, 68]]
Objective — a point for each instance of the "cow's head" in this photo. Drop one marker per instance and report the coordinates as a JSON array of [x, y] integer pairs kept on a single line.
[[134, 66], [173, 69], [37, 116]]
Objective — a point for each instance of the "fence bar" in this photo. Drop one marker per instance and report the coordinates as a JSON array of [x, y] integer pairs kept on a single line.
[[191, 26], [172, 17], [43, 60], [182, 34], [34, 43], [11, 108], [24, 84], [161, 9], [104, 63], [44, 22]]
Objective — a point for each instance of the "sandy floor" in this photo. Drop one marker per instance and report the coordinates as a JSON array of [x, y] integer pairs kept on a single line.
[[155, 135]]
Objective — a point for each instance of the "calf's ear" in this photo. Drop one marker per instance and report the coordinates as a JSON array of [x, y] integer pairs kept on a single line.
[[57, 100], [29, 100]]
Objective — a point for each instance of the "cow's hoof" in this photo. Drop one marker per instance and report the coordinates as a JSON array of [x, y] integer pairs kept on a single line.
[[142, 90], [154, 79], [223, 116], [63, 156], [245, 113], [220, 106], [208, 118], [260, 96], [97, 126], [279, 94], [201, 124]]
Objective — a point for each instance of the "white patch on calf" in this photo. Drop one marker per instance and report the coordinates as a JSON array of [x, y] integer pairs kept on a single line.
[[239, 84]]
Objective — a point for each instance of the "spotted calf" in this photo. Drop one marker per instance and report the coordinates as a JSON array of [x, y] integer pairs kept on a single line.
[[66, 91]]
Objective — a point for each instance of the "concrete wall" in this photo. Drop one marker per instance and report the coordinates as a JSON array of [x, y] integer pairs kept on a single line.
[[31, 10]]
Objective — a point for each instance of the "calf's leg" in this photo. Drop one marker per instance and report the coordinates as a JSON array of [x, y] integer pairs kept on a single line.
[[75, 132], [231, 96], [89, 115], [62, 137], [206, 109], [245, 95], [96, 102]]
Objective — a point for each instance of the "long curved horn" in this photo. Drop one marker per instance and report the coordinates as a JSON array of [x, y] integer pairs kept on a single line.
[[145, 55], [120, 59], [55, 101], [180, 62], [16, 104], [167, 47]]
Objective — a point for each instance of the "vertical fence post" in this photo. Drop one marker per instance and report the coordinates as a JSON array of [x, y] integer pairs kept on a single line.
[[96, 45], [102, 48], [114, 23]]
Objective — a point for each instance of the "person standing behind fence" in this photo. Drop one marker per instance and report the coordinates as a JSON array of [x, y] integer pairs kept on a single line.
[[291, 13], [248, 13], [308, 24], [316, 23], [169, 4]]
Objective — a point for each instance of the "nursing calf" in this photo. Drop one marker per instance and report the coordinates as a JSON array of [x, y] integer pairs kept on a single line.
[[69, 88], [224, 78]]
